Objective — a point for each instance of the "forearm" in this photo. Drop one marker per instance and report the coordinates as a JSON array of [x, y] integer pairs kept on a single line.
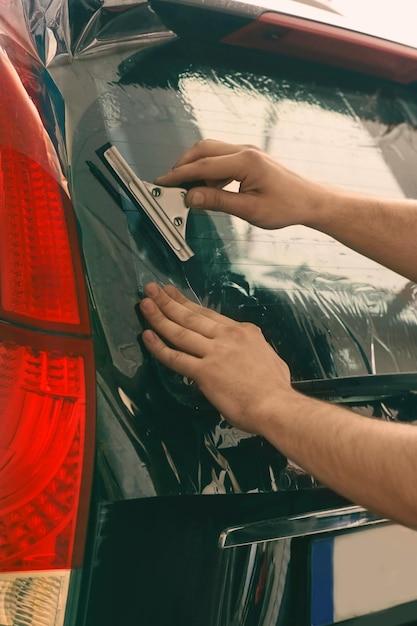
[[384, 230], [373, 463]]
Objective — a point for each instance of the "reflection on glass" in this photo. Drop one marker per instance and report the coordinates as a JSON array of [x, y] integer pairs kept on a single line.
[[328, 311]]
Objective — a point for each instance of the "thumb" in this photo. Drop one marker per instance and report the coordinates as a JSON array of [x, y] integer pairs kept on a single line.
[[213, 199]]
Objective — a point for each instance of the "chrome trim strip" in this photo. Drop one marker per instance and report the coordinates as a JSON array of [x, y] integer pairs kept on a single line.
[[298, 526]]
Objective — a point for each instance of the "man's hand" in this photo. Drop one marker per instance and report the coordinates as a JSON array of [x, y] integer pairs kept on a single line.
[[270, 196], [371, 462], [231, 362]]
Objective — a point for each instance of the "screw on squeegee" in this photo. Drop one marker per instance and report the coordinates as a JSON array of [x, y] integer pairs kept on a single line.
[[178, 221], [156, 192]]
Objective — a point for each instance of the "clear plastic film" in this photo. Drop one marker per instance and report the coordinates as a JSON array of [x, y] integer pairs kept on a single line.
[[329, 311], [112, 73]]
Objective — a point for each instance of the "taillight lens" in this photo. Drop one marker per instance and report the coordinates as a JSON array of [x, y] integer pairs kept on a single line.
[[33, 599], [41, 278], [38, 279], [44, 405], [20, 123], [46, 438], [47, 388]]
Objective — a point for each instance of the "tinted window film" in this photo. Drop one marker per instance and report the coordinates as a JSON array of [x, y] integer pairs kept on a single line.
[[329, 312]]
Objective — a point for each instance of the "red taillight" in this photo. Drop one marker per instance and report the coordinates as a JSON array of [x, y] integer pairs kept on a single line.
[[41, 279], [21, 126], [47, 391], [39, 282], [45, 399], [315, 41]]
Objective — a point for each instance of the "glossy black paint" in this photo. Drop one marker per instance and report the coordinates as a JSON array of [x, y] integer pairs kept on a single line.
[[157, 561]]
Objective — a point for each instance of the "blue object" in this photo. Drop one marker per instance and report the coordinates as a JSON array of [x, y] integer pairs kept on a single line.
[[322, 582]]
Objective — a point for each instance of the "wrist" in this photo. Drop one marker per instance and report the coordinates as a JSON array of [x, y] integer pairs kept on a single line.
[[278, 411], [325, 208], [334, 209]]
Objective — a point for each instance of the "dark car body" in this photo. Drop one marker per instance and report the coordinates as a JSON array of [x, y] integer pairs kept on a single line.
[[191, 521]]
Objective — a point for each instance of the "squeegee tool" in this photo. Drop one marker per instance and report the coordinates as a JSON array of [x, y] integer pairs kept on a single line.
[[165, 206]]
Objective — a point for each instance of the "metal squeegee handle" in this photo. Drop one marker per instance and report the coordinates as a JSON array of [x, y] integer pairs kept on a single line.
[[141, 192]]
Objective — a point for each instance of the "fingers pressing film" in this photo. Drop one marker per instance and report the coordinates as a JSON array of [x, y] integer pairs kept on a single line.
[[186, 326], [188, 318], [175, 294], [178, 336], [181, 363], [235, 370]]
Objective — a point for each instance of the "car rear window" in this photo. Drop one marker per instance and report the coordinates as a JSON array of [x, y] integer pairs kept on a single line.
[[328, 311]]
